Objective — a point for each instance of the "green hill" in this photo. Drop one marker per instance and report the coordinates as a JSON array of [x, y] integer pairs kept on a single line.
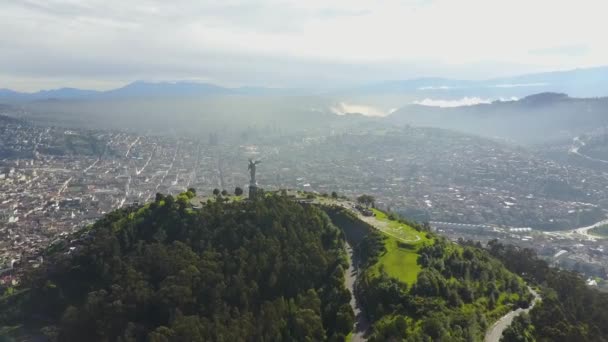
[[267, 270], [416, 285], [569, 311], [270, 270]]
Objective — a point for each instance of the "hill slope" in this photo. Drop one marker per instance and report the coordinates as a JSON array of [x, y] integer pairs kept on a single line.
[[269, 270], [415, 284]]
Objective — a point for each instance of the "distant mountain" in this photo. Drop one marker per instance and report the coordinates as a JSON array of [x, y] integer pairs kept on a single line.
[[592, 82], [8, 95], [140, 89], [143, 89], [538, 118]]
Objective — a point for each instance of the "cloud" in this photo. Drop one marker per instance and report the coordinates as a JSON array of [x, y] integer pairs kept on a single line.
[[465, 101], [293, 42], [344, 108]]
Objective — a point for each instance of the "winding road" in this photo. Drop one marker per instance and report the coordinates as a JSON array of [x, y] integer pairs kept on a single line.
[[494, 333], [361, 327]]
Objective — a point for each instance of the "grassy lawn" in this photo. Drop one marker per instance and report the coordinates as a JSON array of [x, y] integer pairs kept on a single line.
[[401, 258], [348, 337], [395, 229], [400, 261]]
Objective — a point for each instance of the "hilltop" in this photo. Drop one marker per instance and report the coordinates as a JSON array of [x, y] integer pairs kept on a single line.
[[268, 269], [265, 270]]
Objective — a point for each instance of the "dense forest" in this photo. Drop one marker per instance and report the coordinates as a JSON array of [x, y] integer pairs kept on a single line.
[[265, 270], [569, 311]]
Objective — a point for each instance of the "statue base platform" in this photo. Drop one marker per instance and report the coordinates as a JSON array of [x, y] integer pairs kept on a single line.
[[253, 191]]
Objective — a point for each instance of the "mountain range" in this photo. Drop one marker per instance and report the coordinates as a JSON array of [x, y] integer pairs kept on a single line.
[[590, 82]]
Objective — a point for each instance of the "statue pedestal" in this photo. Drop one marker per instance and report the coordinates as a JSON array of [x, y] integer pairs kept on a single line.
[[253, 191]]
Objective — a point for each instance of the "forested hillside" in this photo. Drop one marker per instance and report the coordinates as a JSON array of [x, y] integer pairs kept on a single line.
[[269, 270], [273, 270], [569, 311], [448, 292]]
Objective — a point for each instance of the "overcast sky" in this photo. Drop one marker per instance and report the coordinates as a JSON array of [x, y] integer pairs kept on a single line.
[[102, 44]]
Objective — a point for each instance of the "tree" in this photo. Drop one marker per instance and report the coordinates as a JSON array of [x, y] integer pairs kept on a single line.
[[169, 273], [334, 195], [366, 200], [216, 191], [224, 192], [238, 191], [191, 193]]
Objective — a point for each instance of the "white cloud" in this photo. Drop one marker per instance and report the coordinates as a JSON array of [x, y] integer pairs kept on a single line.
[[344, 108], [465, 101]]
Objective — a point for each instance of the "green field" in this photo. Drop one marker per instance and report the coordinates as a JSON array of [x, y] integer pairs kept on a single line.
[[395, 228], [400, 260]]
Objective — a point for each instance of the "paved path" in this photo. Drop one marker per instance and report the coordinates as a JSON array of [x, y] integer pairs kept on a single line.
[[494, 333], [361, 324]]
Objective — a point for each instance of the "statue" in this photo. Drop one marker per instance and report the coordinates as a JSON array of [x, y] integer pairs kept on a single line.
[[252, 165], [253, 185]]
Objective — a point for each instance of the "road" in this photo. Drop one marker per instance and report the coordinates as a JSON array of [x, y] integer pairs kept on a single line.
[[585, 230], [131, 147], [494, 333], [577, 144], [166, 172], [139, 171], [579, 233], [64, 186], [361, 324]]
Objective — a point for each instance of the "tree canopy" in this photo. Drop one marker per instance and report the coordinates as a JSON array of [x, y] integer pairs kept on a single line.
[[268, 270]]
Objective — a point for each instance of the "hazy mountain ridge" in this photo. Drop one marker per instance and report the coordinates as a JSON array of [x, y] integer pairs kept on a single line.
[[537, 118], [589, 82], [138, 89]]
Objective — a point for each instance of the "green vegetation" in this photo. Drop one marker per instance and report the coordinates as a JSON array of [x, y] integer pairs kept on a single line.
[[366, 200], [400, 261], [600, 231], [402, 243], [267, 270], [428, 287], [569, 311], [395, 227]]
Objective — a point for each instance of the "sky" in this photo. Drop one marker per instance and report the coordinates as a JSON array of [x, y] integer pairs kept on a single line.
[[102, 44]]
